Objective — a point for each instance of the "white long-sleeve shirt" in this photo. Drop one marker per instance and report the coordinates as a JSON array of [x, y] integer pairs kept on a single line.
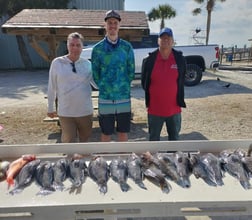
[[72, 89]]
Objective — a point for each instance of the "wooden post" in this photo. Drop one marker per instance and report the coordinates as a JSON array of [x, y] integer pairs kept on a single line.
[[53, 46]]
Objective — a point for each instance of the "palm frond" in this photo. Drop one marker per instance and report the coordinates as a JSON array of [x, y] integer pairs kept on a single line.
[[196, 11], [199, 1]]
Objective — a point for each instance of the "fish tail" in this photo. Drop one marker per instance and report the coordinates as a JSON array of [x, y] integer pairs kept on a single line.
[[45, 191], [219, 182], [166, 187], [103, 188], [59, 187], [245, 184], [141, 185], [124, 186], [15, 191]]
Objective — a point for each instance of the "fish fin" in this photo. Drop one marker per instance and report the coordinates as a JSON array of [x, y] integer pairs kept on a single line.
[[16, 191], [46, 191]]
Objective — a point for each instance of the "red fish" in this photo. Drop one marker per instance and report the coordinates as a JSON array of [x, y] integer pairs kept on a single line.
[[16, 166]]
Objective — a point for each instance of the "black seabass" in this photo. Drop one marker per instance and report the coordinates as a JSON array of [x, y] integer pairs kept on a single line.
[[159, 168]]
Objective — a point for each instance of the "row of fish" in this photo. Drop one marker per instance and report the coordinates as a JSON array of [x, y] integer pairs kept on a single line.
[[159, 168], [50, 176]]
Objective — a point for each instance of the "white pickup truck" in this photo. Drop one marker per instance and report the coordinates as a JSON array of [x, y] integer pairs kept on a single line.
[[198, 57]]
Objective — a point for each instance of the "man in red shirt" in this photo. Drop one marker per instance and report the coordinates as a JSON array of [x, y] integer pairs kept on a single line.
[[163, 73]]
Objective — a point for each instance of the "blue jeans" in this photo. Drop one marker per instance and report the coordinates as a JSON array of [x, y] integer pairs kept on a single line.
[[173, 126]]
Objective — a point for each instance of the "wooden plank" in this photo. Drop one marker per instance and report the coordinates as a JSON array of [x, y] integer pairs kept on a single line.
[[95, 95], [48, 119]]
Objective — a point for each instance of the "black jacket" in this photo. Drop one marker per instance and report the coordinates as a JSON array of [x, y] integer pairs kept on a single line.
[[147, 67]]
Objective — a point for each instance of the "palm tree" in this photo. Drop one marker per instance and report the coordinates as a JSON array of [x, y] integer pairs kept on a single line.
[[161, 12], [209, 7]]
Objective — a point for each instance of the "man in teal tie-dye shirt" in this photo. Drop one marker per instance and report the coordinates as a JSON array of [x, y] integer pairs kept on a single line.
[[113, 68]]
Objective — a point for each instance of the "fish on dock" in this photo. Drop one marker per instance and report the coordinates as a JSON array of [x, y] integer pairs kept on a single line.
[[213, 167], [233, 165], [200, 171], [15, 166], [25, 176], [153, 173], [119, 173], [98, 170], [77, 172], [134, 166], [61, 171], [44, 177]]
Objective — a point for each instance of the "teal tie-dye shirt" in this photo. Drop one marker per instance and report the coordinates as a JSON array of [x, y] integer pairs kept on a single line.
[[113, 67]]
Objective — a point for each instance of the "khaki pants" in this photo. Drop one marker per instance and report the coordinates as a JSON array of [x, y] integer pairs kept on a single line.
[[76, 129]]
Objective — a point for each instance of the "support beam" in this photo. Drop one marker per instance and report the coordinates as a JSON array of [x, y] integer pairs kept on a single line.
[[34, 43], [52, 46]]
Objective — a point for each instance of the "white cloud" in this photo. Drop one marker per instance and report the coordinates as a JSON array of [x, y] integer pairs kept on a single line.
[[230, 23]]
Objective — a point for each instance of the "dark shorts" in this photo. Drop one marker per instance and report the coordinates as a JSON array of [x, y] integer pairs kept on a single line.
[[107, 123]]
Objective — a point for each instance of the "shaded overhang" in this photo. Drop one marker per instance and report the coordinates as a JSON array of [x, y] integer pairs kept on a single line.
[[53, 26], [61, 22]]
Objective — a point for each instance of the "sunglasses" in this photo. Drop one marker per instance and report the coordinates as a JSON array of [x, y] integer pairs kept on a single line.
[[73, 68]]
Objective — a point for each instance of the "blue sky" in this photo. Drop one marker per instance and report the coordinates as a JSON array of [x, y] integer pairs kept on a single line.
[[231, 22]]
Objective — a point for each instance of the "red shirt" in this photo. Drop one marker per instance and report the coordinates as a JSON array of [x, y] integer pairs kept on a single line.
[[163, 88]]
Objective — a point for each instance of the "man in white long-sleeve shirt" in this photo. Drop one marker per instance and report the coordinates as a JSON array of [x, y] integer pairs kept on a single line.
[[69, 81]]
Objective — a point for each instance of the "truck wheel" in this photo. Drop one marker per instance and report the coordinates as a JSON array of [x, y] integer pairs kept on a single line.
[[193, 75]]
